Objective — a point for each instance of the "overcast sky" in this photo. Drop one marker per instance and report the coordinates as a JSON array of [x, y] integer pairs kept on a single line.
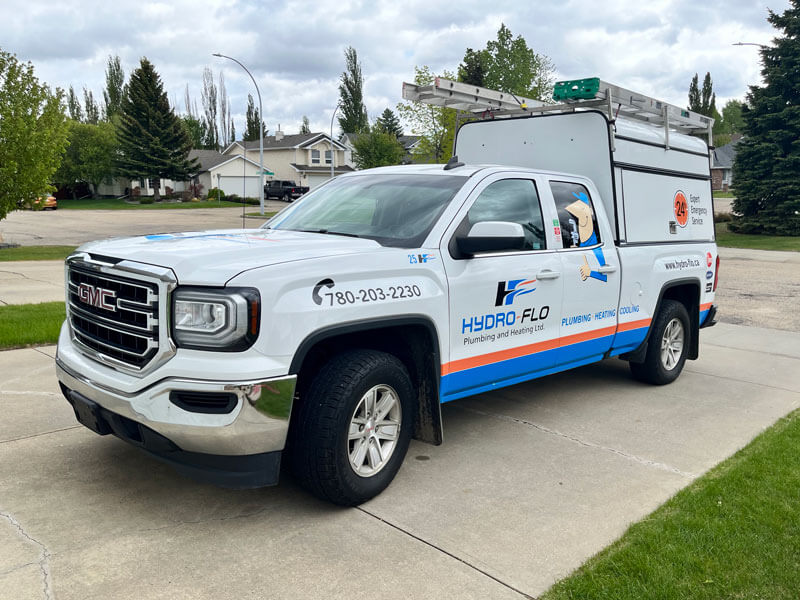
[[295, 48]]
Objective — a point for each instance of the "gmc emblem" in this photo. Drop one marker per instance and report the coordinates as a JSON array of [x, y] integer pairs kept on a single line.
[[97, 296]]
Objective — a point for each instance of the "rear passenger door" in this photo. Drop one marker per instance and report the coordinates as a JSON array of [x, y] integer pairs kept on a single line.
[[505, 305], [590, 267]]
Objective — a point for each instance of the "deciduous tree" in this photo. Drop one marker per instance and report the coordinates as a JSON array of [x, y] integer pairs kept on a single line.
[[511, 66], [305, 126], [767, 165], [74, 105], [115, 88], [252, 120], [353, 113], [153, 143], [209, 99], [33, 133], [89, 157], [377, 148], [435, 124]]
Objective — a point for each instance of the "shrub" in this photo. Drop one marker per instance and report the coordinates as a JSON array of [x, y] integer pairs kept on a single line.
[[146, 200], [215, 193]]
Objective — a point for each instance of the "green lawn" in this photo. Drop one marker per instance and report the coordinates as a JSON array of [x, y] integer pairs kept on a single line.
[[733, 533], [721, 194], [30, 324], [118, 204], [36, 253], [755, 242]]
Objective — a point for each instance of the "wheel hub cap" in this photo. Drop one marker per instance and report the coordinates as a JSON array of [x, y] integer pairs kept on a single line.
[[374, 430]]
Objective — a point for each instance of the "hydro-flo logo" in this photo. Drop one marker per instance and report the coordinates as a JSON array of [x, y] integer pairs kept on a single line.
[[507, 291]]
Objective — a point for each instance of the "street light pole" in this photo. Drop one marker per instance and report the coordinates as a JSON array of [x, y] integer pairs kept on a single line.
[[749, 44], [260, 133], [338, 106]]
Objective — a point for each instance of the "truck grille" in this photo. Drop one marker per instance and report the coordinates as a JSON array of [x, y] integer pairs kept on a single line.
[[115, 317]]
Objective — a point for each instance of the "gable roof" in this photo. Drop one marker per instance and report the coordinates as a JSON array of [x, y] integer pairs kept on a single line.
[[724, 155], [298, 140], [210, 159]]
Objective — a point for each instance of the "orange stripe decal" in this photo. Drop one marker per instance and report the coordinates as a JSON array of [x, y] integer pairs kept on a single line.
[[705, 306], [630, 325]]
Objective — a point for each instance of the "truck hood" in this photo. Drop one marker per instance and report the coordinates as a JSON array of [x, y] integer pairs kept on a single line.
[[214, 257]]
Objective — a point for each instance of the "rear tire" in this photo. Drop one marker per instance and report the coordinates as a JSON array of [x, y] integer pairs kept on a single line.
[[667, 346], [287, 197], [353, 427]]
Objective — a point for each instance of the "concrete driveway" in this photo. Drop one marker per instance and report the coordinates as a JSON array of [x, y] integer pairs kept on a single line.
[[530, 482]]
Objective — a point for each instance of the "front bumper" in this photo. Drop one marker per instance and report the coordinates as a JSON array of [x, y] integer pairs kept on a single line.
[[243, 452]]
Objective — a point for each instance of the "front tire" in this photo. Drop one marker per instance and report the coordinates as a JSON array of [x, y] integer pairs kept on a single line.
[[353, 427], [667, 346]]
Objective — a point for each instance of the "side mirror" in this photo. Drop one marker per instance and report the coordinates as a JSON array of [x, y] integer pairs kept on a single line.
[[492, 236]]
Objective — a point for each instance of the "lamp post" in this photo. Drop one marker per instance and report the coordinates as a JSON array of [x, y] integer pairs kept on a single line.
[[749, 44], [338, 106], [260, 133]]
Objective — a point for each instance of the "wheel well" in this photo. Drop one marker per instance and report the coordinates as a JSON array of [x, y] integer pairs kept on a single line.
[[687, 292], [415, 344]]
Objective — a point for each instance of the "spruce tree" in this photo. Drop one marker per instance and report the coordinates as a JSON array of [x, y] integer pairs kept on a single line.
[[473, 69], [389, 123], [767, 165], [153, 143]]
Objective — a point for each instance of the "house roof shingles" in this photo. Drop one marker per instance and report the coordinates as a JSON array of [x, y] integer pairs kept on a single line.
[[724, 155]]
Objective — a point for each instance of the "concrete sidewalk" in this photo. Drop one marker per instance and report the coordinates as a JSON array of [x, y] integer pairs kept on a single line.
[[530, 482], [31, 281]]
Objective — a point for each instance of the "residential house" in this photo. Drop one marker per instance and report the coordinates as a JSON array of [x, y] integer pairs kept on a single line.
[[722, 166], [304, 158], [233, 174]]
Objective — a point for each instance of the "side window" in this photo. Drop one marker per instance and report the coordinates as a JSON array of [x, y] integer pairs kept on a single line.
[[315, 157], [513, 200], [576, 215]]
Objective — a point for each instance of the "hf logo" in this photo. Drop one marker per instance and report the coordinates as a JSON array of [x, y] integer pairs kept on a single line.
[[97, 297], [507, 291]]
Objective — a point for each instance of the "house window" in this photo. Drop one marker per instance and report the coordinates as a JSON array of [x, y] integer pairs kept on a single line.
[[327, 157], [315, 157]]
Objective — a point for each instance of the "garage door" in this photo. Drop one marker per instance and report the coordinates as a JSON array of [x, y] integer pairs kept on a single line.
[[315, 180], [235, 185]]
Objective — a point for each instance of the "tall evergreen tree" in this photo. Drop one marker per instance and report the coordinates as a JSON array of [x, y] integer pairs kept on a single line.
[[153, 143], [74, 106], [767, 165], [473, 68], [115, 88], [252, 119], [90, 104], [389, 123], [353, 117]]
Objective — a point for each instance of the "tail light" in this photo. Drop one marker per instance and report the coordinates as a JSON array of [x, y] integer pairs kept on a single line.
[[716, 274]]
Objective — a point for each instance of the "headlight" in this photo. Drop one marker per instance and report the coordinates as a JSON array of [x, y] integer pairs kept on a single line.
[[224, 320]]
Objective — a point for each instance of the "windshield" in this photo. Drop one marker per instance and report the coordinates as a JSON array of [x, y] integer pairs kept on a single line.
[[394, 210]]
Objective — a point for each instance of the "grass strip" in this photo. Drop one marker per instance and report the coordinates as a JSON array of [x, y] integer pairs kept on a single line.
[[24, 325], [35, 253], [120, 204], [733, 533], [721, 194], [729, 239]]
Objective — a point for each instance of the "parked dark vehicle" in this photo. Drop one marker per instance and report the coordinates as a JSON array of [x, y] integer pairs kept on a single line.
[[284, 189]]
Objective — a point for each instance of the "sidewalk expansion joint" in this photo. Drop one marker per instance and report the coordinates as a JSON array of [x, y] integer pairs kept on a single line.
[[44, 560], [627, 456], [445, 552], [35, 435], [745, 381], [26, 277]]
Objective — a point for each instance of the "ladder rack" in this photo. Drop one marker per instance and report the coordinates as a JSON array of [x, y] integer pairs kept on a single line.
[[571, 96]]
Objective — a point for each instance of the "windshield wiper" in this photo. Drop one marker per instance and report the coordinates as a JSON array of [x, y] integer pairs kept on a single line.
[[328, 232]]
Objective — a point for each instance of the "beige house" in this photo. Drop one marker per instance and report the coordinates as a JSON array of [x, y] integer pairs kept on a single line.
[[304, 158], [233, 174]]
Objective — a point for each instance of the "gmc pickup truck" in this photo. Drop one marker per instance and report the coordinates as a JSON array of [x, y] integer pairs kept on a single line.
[[288, 191], [330, 336]]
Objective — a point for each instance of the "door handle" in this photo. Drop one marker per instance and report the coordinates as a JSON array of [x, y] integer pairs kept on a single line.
[[548, 274], [606, 269]]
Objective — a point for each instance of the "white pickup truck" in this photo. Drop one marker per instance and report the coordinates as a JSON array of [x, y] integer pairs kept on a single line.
[[333, 333]]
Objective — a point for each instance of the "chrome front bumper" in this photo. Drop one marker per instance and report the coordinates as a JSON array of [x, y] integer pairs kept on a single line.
[[259, 423]]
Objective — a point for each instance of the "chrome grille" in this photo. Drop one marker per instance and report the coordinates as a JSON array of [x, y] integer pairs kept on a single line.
[[116, 318]]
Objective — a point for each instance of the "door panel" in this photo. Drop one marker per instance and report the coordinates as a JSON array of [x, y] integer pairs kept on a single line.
[[505, 306]]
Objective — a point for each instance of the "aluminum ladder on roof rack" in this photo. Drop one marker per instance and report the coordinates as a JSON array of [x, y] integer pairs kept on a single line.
[[573, 95]]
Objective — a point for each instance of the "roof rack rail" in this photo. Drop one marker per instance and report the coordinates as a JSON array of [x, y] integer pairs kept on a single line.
[[570, 96]]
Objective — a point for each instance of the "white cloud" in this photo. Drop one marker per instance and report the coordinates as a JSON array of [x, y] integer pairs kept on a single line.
[[294, 48]]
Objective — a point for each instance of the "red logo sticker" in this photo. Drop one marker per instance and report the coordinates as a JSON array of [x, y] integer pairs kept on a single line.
[[681, 208], [709, 259]]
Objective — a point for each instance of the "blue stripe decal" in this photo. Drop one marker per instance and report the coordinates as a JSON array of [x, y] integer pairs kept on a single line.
[[703, 316], [523, 368]]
